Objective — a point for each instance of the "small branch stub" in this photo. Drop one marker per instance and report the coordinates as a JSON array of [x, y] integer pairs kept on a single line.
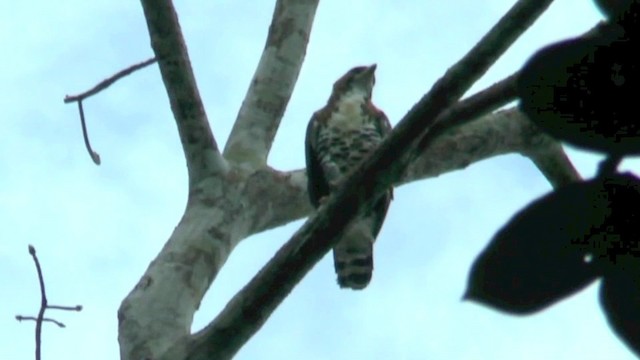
[[96, 89], [43, 306]]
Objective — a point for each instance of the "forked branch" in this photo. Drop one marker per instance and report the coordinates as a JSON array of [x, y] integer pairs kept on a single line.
[[44, 305], [109, 81], [96, 89], [545, 152]]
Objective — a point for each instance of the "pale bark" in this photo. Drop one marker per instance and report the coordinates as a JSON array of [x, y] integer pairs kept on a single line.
[[272, 84], [155, 318], [199, 146], [157, 314]]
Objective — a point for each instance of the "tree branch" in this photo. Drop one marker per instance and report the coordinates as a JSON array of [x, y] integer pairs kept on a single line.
[[543, 150], [44, 305], [22, 318], [95, 157], [201, 151], [109, 81], [96, 89], [273, 83], [548, 155], [250, 308], [499, 133], [43, 301]]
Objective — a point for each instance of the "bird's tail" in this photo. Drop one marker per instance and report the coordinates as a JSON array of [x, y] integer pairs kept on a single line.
[[353, 256]]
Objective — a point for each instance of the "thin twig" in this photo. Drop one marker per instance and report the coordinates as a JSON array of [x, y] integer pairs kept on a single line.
[[20, 318], [43, 306], [43, 301], [96, 89], [67, 308], [94, 155], [109, 81]]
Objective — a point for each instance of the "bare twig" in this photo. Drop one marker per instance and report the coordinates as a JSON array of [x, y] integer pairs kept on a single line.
[[43, 306], [272, 84], [94, 155], [96, 89], [250, 308], [20, 318], [43, 301], [67, 308], [200, 149], [109, 81]]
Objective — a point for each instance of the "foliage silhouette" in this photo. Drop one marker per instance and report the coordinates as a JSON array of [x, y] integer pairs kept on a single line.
[[581, 91], [541, 255]]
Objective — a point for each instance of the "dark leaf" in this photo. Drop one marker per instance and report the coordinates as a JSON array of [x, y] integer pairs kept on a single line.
[[624, 13], [623, 224], [620, 301], [620, 288], [613, 8], [584, 91], [544, 253]]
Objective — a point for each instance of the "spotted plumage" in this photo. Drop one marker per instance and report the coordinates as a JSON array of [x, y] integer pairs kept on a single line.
[[339, 136]]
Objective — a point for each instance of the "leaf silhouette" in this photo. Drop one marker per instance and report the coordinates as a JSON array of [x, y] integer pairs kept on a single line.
[[623, 223], [583, 91], [620, 301], [544, 253], [613, 8]]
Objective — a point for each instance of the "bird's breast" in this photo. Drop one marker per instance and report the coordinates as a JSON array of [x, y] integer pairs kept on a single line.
[[345, 141], [348, 115]]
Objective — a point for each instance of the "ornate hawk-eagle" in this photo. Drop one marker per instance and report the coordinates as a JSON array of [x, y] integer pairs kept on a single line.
[[339, 137]]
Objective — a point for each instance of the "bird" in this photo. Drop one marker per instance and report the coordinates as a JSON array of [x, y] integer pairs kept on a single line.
[[338, 137]]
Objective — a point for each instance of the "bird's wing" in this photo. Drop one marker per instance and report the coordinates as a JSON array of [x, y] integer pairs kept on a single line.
[[382, 121], [317, 185], [379, 208]]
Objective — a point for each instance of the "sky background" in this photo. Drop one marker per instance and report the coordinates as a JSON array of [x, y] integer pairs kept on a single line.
[[97, 228]]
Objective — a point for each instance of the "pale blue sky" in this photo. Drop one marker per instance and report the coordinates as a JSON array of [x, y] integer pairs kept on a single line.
[[97, 228]]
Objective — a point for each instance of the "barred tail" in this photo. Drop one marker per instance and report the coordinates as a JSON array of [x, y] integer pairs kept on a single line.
[[353, 256]]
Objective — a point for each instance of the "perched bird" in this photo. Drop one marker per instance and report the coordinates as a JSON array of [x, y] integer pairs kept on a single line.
[[339, 136]]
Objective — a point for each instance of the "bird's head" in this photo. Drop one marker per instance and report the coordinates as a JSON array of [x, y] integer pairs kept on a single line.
[[358, 79]]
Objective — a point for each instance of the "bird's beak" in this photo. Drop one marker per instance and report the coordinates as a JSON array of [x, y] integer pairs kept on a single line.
[[368, 74], [365, 79], [371, 69]]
